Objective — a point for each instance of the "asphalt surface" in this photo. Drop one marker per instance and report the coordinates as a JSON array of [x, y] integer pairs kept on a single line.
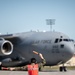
[[71, 72]]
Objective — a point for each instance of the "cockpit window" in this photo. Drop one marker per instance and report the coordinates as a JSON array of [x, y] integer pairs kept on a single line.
[[65, 39], [72, 40], [60, 40], [56, 41], [69, 40]]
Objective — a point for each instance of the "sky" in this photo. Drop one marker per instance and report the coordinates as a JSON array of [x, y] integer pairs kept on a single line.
[[25, 15]]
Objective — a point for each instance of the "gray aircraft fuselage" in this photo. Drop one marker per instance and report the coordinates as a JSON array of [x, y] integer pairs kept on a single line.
[[56, 48]]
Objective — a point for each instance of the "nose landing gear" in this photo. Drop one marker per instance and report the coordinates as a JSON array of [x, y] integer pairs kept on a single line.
[[62, 68]]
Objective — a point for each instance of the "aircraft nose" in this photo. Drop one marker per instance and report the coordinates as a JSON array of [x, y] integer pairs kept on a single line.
[[70, 49], [74, 48]]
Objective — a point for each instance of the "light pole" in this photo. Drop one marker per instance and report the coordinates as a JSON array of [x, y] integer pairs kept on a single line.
[[50, 22]]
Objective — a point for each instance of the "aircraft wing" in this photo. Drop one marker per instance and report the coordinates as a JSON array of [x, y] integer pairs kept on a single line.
[[8, 36], [7, 42], [12, 38]]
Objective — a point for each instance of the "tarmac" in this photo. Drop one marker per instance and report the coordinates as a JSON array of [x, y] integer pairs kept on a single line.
[[70, 72]]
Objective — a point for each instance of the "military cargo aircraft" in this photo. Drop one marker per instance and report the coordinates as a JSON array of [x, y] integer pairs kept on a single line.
[[17, 49]]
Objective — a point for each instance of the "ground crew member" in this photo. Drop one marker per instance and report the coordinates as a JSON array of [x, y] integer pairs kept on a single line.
[[0, 65], [34, 66]]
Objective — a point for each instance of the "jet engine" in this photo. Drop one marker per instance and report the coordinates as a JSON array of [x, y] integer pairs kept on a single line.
[[6, 47]]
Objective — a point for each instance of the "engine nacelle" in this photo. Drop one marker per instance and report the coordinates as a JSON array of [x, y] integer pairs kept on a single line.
[[6, 47]]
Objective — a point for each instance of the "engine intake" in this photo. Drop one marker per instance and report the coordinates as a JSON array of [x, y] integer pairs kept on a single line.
[[6, 47]]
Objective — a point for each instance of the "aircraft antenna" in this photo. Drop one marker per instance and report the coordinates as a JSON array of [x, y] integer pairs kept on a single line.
[[50, 22]]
